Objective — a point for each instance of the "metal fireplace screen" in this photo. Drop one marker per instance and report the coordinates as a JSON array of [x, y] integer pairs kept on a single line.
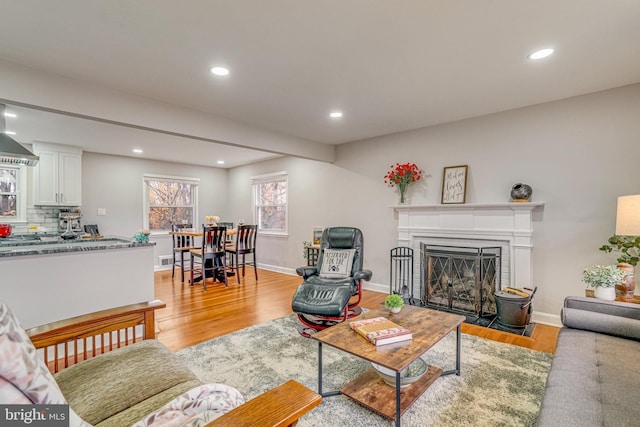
[[460, 279]]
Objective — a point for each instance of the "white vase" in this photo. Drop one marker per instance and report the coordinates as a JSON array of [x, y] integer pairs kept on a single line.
[[608, 294], [395, 309]]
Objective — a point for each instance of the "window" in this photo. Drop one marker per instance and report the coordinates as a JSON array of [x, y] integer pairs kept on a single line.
[[270, 203], [168, 201], [12, 194]]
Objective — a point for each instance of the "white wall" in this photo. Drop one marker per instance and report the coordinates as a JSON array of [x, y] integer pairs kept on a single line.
[[578, 154], [311, 186], [115, 183]]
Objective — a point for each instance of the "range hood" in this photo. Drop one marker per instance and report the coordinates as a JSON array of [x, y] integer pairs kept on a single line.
[[11, 151]]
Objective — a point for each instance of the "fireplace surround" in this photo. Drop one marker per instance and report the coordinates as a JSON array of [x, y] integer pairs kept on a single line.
[[508, 226]]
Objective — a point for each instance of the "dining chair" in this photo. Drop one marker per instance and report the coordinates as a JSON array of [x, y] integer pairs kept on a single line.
[[212, 255], [229, 226], [181, 246], [245, 245]]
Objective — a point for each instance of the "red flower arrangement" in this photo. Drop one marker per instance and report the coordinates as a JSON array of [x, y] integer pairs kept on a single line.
[[402, 175]]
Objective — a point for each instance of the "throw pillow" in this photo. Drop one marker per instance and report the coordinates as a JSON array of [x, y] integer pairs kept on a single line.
[[21, 367], [194, 408], [337, 263]]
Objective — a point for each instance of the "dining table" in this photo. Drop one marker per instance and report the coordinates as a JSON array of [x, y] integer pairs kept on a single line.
[[192, 232]]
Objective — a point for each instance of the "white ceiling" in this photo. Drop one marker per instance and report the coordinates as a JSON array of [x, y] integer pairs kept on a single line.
[[32, 125], [391, 66]]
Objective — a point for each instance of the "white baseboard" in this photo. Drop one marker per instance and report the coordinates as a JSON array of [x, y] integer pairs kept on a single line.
[[376, 287], [370, 286], [278, 269], [546, 319]]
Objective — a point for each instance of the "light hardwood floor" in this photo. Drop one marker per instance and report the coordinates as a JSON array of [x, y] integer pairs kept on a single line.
[[193, 316]]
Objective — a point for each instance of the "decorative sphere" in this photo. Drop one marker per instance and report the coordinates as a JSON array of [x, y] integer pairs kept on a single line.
[[521, 192]]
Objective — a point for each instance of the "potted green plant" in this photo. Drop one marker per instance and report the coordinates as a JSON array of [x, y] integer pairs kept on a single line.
[[394, 303], [603, 278], [304, 248], [629, 247], [629, 255], [141, 236]]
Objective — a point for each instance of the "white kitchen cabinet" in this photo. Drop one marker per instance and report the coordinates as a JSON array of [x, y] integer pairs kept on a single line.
[[58, 175]]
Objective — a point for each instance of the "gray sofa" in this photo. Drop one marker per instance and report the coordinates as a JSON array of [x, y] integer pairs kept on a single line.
[[595, 373]]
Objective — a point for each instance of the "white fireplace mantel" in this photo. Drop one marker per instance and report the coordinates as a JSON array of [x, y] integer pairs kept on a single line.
[[470, 206], [510, 223]]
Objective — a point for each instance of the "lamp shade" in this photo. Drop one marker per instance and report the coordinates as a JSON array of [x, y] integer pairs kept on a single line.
[[628, 218]]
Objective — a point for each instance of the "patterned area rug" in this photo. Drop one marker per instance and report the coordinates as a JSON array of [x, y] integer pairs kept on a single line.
[[500, 384]]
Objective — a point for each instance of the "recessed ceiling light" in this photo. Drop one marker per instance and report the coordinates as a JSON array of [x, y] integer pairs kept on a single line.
[[137, 151], [335, 114], [8, 132], [220, 71], [220, 162], [539, 54], [10, 115]]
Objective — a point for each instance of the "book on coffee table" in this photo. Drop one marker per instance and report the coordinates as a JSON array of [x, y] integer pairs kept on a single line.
[[380, 330]]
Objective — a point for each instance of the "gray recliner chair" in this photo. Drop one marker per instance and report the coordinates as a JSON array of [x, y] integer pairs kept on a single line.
[[332, 290]]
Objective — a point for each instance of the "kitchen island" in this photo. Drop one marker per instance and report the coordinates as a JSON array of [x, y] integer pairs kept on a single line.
[[51, 279]]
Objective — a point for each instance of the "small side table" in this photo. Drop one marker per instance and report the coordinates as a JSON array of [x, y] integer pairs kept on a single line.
[[312, 255], [635, 300]]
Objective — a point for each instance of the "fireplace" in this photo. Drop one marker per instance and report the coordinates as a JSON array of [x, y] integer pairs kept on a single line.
[[460, 279], [475, 228]]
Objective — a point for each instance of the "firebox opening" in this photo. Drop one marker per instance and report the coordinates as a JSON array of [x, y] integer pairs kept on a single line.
[[460, 279]]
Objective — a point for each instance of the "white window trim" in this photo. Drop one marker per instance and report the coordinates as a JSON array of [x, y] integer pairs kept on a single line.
[[275, 176], [145, 196], [21, 193]]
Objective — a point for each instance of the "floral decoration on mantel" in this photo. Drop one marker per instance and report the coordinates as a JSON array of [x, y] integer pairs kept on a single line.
[[401, 175]]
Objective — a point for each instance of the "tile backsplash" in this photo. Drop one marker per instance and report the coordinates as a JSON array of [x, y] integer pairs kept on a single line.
[[43, 216]]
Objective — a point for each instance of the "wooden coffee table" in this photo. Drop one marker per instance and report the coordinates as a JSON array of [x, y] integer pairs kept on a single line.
[[428, 327]]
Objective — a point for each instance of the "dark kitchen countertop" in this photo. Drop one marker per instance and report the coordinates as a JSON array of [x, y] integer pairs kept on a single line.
[[51, 244]]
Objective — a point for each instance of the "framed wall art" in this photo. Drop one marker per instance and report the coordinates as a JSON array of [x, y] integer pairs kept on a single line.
[[454, 184], [317, 235]]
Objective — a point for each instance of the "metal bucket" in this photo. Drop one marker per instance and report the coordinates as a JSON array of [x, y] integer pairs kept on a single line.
[[514, 311]]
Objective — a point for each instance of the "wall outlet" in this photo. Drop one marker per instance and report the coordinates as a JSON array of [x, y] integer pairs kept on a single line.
[[102, 211]]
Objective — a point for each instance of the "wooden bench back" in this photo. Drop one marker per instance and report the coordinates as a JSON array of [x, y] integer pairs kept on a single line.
[[70, 341]]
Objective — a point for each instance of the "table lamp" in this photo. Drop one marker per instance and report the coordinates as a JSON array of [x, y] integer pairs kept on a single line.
[[628, 224], [628, 217]]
